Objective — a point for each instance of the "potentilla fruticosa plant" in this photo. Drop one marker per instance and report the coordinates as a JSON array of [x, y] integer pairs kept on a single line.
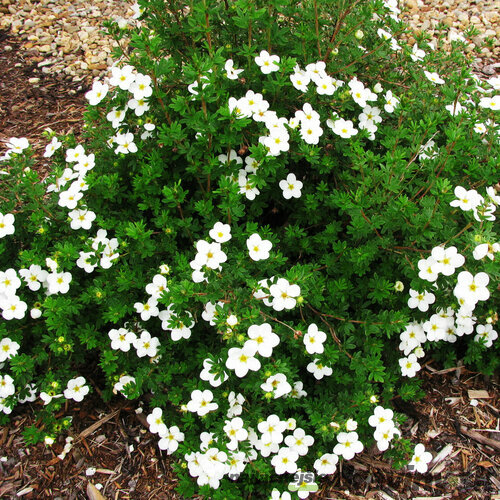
[[279, 212]]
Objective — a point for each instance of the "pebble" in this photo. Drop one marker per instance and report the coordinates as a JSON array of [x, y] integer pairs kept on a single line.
[[64, 37]]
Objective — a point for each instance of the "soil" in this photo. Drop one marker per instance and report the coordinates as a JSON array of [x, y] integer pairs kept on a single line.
[[113, 438]]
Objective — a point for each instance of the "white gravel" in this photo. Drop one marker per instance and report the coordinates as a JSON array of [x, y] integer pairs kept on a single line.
[[64, 37]]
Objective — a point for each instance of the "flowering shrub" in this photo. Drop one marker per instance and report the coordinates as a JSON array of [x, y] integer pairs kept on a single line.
[[277, 212]]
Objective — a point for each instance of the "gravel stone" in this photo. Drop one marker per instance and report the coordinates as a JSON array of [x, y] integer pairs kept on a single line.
[[63, 37]]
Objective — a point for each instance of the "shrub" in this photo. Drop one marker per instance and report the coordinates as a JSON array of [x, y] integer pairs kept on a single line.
[[276, 209]]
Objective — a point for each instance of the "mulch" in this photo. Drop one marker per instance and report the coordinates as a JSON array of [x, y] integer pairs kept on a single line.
[[113, 438]]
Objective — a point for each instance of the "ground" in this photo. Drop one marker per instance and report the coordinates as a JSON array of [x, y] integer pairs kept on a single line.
[[113, 438]]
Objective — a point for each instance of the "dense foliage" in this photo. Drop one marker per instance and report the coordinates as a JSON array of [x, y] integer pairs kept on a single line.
[[278, 209]]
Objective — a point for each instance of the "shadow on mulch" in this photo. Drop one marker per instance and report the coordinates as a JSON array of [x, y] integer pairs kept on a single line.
[[27, 106], [114, 439]]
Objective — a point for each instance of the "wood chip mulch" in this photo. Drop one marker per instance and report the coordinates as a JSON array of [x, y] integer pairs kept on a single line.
[[114, 439]]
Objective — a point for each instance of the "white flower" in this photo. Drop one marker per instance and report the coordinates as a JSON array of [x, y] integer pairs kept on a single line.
[[314, 339], [486, 334], [17, 145], [490, 102], [231, 72], [235, 432], [285, 461], [455, 108], [6, 224], [420, 459], [122, 77], [123, 382], [121, 339], [235, 404], [417, 54], [125, 143], [243, 359], [277, 384], [7, 387], [380, 416], [213, 378], [472, 289], [436, 327], [284, 294], [139, 106], [360, 93], [384, 434], [420, 300], [157, 287], [344, 128], [74, 154], [58, 282], [391, 102], [8, 349], [116, 116], [348, 445], [267, 63], [264, 337], [148, 309], [146, 345], [52, 147], [141, 87], [155, 421], [9, 282], [318, 369], [69, 198], [297, 391], [412, 337], [272, 429], [291, 187], [311, 132], [97, 93], [258, 249], [200, 402], [467, 200], [81, 219], [327, 85], [448, 259], [351, 425], [209, 254], [409, 366], [300, 80], [182, 330], [486, 250], [220, 232], [246, 187], [276, 495], [170, 439], [30, 394], [326, 464], [299, 441], [12, 307], [433, 77], [84, 261], [316, 71], [427, 269], [427, 151], [76, 389]]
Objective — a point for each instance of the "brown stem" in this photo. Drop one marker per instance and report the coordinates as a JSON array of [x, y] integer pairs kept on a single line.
[[316, 25]]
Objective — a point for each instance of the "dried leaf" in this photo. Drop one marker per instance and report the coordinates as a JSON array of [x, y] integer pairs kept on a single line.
[[479, 394], [93, 493], [486, 464]]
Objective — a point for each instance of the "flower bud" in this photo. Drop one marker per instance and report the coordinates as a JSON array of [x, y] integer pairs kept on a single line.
[[49, 440], [398, 286], [359, 34]]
